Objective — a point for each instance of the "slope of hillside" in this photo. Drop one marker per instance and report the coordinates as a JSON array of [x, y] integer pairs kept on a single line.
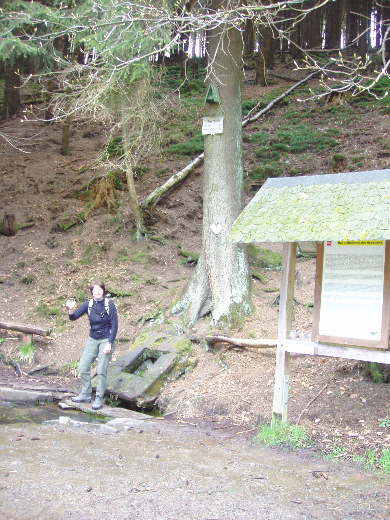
[[43, 265]]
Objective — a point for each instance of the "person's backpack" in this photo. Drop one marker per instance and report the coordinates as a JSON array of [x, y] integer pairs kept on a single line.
[[106, 306]]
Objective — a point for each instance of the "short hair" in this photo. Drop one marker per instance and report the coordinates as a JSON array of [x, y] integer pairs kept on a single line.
[[99, 284]]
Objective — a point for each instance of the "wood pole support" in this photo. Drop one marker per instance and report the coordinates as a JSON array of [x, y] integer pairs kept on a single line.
[[27, 338], [282, 370]]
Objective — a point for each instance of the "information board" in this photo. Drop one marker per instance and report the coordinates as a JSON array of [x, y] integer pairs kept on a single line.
[[352, 292]]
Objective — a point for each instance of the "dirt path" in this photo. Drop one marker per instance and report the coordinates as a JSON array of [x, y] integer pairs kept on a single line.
[[163, 470]]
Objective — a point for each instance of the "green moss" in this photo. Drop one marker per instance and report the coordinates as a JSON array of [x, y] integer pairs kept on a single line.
[[118, 292], [235, 318], [139, 340], [258, 276], [191, 257], [193, 146], [264, 171], [183, 346], [264, 258]]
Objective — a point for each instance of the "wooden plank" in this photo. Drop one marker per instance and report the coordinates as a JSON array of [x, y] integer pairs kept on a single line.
[[287, 290], [386, 295], [312, 348], [318, 290], [27, 329], [282, 370]]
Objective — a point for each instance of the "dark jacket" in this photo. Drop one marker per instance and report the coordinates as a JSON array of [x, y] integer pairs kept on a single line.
[[103, 325]]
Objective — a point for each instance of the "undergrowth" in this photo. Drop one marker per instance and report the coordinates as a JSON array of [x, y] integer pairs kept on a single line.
[[283, 434], [26, 352]]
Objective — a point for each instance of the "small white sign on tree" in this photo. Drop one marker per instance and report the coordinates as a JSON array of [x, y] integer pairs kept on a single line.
[[212, 125]]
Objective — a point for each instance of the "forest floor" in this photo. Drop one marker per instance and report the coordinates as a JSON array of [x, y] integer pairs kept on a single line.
[[345, 412]]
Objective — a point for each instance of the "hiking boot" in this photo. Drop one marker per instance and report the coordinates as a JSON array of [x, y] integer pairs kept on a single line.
[[98, 403], [81, 398]]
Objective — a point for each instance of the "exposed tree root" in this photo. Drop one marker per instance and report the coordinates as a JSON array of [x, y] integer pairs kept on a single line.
[[244, 343]]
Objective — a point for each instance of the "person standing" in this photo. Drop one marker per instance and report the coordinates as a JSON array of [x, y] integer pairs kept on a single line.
[[103, 319]]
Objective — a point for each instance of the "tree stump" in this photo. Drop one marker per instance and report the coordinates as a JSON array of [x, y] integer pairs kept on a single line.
[[9, 225]]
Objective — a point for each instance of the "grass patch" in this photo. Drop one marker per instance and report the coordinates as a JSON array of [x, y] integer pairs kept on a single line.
[[375, 461], [28, 279], [92, 252], [283, 434], [377, 96], [69, 252], [381, 461], [378, 372], [48, 311], [260, 137], [268, 154], [193, 146], [338, 161], [302, 138], [26, 352], [335, 452], [122, 255], [70, 368], [248, 104], [263, 171]]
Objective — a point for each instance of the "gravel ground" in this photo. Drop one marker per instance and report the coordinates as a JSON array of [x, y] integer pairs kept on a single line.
[[165, 470]]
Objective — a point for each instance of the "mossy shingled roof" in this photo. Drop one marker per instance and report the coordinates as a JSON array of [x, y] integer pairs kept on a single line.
[[344, 206]]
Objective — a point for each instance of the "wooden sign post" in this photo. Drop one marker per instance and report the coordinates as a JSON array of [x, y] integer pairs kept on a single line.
[[359, 301]]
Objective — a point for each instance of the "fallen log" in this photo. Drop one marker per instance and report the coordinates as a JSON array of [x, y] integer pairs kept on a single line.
[[37, 388], [245, 343], [27, 329], [252, 118], [279, 76], [37, 369], [152, 199]]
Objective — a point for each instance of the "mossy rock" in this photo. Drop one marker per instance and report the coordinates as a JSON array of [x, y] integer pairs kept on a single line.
[[264, 258], [155, 358]]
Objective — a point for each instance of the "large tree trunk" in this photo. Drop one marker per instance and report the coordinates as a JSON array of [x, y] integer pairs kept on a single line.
[[65, 141], [260, 77], [249, 39], [312, 27], [12, 83], [133, 199], [386, 34], [265, 55], [220, 284], [364, 40], [333, 25]]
